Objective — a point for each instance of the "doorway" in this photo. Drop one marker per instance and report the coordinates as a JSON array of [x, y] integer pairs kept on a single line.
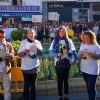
[[11, 21]]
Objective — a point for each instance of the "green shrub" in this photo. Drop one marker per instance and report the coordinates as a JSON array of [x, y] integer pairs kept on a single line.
[[75, 39], [47, 70], [18, 34], [15, 45]]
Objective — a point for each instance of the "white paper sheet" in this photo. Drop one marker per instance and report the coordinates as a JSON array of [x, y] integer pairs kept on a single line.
[[4, 54], [84, 52], [32, 47]]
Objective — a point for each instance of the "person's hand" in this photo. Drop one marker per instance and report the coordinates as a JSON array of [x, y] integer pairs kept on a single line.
[[8, 57], [59, 54], [26, 51], [72, 63], [80, 55], [90, 55]]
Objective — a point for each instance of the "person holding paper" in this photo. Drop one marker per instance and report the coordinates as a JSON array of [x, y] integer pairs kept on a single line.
[[5, 66], [29, 50], [89, 62], [62, 47]]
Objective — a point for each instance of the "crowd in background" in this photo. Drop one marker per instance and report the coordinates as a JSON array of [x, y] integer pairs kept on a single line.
[[48, 30]]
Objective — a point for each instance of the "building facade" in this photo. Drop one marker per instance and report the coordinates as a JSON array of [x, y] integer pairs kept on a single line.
[[72, 10], [19, 10]]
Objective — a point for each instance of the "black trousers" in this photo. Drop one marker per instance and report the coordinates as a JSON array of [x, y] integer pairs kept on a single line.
[[29, 81], [62, 78]]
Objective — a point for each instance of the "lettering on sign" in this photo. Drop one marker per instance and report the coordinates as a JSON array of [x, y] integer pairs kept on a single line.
[[19, 8], [56, 5]]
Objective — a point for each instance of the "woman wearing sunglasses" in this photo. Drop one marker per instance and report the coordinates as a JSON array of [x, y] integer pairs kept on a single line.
[[89, 63]]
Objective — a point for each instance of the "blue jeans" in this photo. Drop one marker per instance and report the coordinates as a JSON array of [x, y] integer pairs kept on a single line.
[[91, 85]]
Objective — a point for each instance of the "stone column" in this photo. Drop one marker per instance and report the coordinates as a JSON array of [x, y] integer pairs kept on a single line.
[[90, 12], [45, 11]]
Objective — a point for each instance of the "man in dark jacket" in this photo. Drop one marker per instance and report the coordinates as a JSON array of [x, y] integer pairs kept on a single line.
[[44, 33]]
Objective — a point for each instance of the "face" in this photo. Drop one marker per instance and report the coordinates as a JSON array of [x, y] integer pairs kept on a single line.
[[87, 39], [31, 34], [62, 32], [2, 36]]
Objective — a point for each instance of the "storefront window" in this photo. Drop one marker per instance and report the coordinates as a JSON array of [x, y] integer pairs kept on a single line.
[[85, 14]]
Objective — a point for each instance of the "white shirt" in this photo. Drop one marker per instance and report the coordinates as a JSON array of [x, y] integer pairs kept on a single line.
[[90, 66], [95, 30], [2, 64], [27, 63]]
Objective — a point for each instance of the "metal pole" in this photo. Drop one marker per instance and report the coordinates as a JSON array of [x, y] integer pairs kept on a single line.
[[82, 9]]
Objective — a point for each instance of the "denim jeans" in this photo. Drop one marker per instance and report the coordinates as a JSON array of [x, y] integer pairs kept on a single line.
[[91, 85]]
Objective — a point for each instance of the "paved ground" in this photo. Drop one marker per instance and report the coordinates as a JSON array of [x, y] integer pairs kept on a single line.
[[72, 96]]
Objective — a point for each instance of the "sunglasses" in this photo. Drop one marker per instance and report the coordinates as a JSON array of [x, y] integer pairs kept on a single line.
[[2, 36]]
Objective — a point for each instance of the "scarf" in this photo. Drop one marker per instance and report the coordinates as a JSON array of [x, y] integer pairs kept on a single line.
[[29, 40], [56, 46]]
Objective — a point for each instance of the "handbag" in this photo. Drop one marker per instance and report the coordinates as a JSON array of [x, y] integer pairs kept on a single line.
[[62, 64]]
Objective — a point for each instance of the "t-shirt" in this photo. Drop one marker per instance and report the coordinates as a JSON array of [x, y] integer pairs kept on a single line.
[[27, 62], [2, 63], [90, 65], [95, 30], [63, 48]]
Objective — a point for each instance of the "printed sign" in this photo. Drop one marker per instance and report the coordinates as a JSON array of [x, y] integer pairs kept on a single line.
[[37, 18], [19, 8]]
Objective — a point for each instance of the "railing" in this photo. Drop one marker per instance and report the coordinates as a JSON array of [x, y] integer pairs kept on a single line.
[[16, 76]]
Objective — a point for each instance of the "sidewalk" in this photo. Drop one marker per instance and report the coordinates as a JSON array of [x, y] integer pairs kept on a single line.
[[72, 96]]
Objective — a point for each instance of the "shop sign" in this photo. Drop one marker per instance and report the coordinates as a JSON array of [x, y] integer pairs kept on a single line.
[[19, 8], [56, 5]]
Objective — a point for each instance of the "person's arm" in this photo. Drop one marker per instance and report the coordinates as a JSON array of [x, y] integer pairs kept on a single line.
[[52, 53], [39, 49], [74, 55], [11, 50], [21, 52], [97, 55]]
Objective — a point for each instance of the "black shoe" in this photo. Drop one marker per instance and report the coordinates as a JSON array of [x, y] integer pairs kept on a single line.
[[61, 98], [65, 98]]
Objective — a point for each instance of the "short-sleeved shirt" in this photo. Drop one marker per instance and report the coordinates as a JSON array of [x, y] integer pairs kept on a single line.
[[90, 65]]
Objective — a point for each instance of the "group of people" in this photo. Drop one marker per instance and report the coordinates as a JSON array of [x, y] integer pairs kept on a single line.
[[63, 50], [48, 30]]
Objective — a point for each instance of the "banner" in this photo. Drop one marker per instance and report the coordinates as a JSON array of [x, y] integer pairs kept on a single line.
[[52, 16], [14, 8], [0, 18], [26, 18], [37, 18]]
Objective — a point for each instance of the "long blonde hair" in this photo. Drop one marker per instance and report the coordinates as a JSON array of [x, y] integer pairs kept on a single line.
[[92, 36], [66, 33]]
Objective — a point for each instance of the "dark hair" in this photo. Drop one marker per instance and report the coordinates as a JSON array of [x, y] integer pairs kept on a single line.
[[2, 32]]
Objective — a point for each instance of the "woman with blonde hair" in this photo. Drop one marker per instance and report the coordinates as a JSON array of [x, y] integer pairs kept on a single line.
[[63, 50], [29, 50], [89, 62]]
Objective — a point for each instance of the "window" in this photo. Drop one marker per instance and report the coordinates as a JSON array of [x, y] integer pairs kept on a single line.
[[19, 2], [16, 2]]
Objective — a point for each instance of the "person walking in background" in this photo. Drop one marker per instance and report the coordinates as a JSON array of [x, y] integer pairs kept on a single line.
[[70, 31], [89, 63], [95, 29], [62, 48], [30, 63], [5, 66]]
